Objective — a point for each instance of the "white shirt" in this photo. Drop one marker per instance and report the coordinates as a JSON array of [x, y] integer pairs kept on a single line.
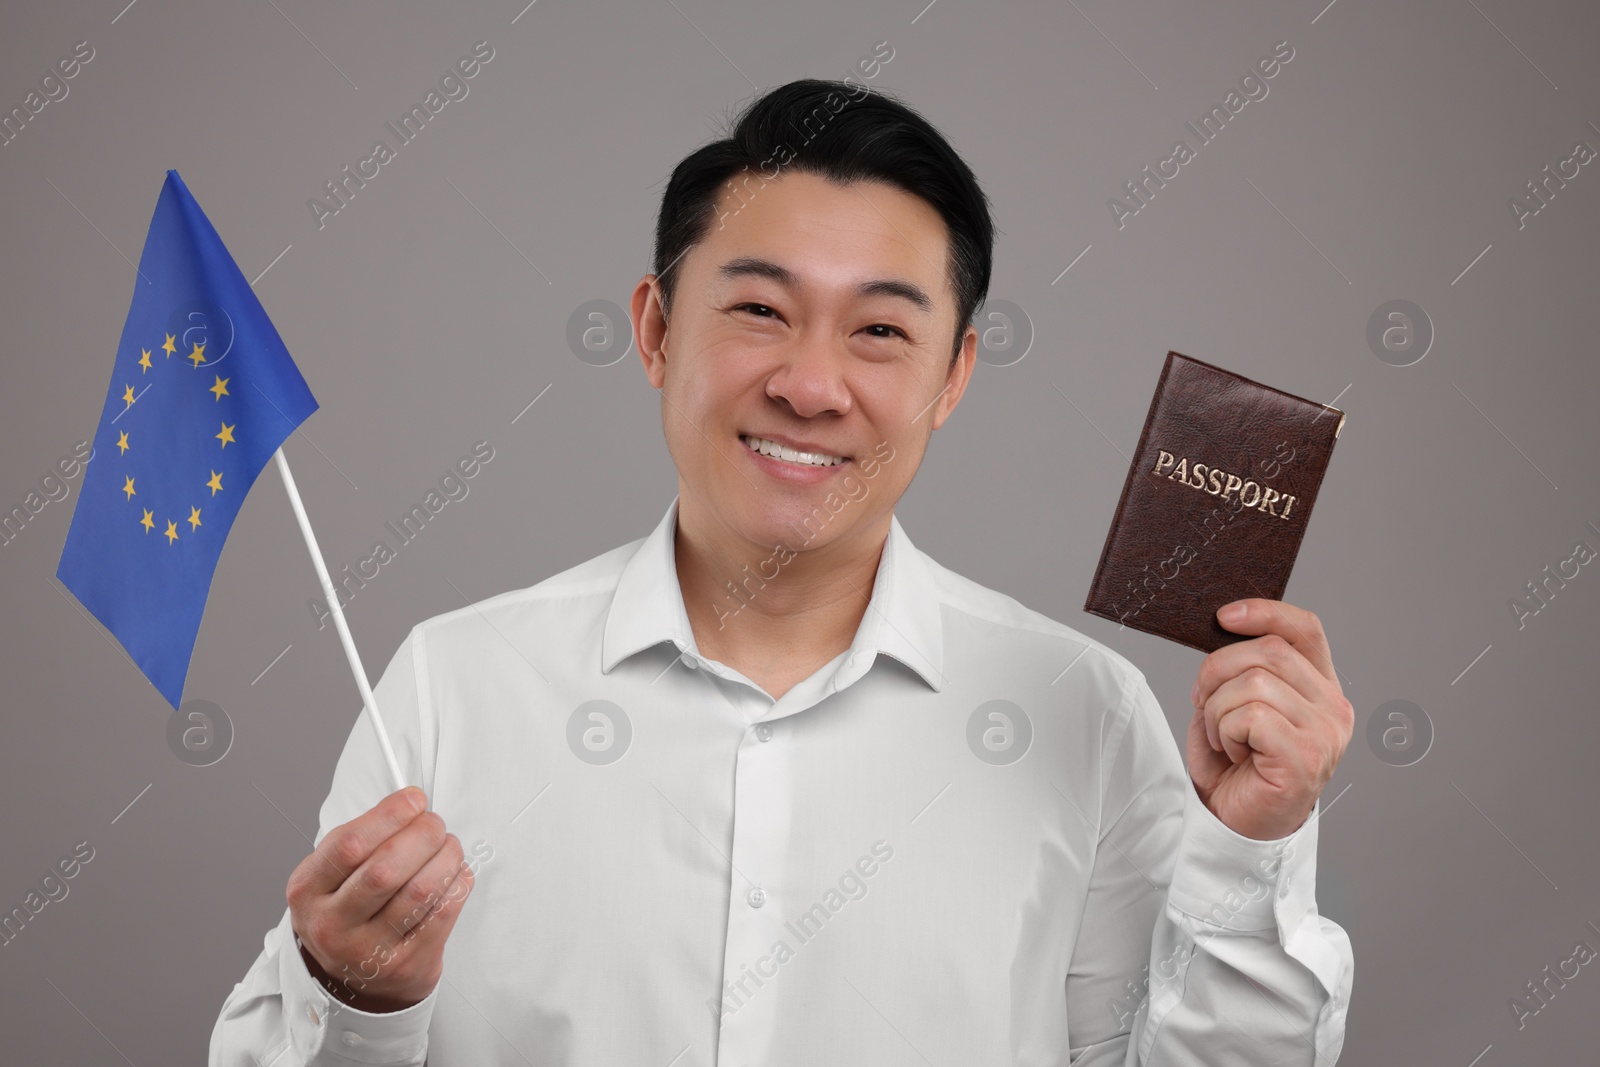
[[969, 839]]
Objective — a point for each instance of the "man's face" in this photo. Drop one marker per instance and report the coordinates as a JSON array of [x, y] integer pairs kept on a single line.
[[815, 316]]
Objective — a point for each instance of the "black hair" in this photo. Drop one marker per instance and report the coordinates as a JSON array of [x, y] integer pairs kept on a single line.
[[845, 132]]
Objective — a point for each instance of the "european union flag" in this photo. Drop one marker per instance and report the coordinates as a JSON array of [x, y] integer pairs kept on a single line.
[[202, 394]]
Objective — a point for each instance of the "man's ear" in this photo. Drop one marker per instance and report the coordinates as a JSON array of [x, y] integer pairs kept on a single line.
[[650, 329], [956, 379]]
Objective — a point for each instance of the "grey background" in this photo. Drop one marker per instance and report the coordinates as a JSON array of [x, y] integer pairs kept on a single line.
[[433, 309]]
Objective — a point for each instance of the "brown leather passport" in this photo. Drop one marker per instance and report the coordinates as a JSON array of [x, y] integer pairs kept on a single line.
[[1216, 502]]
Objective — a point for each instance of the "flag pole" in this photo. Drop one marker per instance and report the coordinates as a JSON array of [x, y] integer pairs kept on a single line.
[[350, 653]]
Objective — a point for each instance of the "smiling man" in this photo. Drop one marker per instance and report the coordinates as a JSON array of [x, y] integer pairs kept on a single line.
[[770, 785]]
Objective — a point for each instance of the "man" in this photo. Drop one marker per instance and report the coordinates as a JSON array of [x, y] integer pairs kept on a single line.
[[770, 786]]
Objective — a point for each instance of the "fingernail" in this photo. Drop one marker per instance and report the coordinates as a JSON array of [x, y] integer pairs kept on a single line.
[[416, 798], [1231, 612]]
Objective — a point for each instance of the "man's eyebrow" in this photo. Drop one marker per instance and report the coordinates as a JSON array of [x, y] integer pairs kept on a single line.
[[765, 268], [895, 287]]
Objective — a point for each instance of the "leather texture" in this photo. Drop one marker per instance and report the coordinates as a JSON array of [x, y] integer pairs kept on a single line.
[[1177, 550]]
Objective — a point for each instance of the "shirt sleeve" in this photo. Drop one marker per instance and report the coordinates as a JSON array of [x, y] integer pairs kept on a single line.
[[1198, 945], [280, 1014]]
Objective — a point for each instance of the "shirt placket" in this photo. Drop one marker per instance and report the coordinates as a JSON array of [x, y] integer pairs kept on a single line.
[[752, 972]]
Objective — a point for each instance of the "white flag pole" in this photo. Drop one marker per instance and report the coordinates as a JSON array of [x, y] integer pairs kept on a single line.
[[350, 653]]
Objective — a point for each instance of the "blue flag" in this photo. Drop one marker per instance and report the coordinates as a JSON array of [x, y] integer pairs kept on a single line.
[[202, 394]]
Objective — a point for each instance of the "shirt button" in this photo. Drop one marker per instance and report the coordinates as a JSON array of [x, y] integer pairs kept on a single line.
[[757, 896], [351, 1038], [689, 661], [764, 732]]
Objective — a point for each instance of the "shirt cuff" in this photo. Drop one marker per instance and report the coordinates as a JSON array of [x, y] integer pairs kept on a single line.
[[334, 1032], [1225, 880]]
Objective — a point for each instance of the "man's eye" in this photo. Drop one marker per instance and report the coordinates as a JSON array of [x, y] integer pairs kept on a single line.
[[762, 307], [885, 326]]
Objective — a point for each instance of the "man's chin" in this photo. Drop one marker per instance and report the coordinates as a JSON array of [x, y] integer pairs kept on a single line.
[[800, 521]]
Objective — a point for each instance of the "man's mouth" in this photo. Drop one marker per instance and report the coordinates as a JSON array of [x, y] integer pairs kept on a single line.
[[778, 451]]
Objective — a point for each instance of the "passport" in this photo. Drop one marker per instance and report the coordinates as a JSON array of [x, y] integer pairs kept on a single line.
[[1215, 505]]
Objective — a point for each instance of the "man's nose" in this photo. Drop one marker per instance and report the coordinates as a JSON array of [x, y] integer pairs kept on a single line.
[[811, 376]]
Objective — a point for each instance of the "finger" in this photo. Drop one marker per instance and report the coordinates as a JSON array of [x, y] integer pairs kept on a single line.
[[408, 947], [1256, 685], [384, 873], [1301, 628], [347, 846], [411, 945], [1251, 728], [414, 903], [1271, 652], [1206, 764], [1234, 741]]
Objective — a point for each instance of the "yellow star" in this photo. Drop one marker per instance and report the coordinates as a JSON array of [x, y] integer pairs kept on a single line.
[[215, 483], [198, 356], [122, 440], [194, 518], [148, 522], [221, 388], [226, 435], [168, 347], [128, 487], [144, 359], [172, 532], [128, 397]]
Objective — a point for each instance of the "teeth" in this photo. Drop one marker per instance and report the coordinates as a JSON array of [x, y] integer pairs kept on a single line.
[[772, 448]]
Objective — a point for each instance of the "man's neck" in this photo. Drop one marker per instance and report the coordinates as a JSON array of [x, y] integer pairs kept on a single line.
[[783, 619]]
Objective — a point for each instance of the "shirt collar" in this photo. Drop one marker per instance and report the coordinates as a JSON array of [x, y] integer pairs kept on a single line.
[[902, 618]]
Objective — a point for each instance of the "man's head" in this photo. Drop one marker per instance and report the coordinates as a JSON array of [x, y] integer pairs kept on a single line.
[[816, 273]]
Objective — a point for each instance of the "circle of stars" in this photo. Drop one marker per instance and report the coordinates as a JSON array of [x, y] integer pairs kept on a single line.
[[219, 389]]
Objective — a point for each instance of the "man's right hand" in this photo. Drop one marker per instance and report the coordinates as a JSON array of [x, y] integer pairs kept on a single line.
[[374, 903]]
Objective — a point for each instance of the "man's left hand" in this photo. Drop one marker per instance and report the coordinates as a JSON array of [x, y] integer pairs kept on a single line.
[[1270, 721]]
